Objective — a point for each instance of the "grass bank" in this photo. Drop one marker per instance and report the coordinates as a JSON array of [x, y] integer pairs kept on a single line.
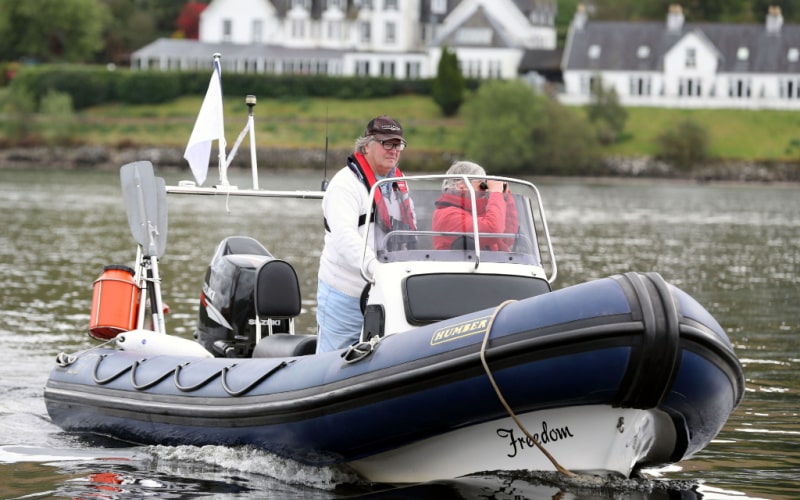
[[747, 136], [295, 123]]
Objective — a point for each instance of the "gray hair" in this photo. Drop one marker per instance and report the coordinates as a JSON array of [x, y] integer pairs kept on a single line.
[[361, 144], [461, 168]]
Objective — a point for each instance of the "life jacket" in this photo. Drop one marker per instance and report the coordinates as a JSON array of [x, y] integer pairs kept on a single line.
[[404, 220], [464, 203]]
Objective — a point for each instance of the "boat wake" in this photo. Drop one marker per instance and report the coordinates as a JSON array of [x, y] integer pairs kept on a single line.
[[246, 460]]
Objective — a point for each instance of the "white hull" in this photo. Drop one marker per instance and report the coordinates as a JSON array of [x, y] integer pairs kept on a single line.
[[590, 439]]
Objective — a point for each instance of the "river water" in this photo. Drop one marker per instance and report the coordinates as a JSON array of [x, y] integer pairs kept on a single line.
[[735, 248]]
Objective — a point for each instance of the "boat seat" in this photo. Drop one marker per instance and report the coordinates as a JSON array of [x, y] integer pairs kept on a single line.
[[276, 294], [281, 345]]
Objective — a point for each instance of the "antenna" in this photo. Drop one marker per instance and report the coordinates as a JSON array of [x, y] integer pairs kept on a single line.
[[325, 171]]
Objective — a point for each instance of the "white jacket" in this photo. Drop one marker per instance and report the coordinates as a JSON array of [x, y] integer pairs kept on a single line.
[[345, 200]]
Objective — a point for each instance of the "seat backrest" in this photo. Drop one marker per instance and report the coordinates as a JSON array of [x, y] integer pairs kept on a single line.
[[277, 290]]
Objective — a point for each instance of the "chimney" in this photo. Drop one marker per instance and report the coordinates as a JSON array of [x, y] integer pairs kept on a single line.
[[675, 17], [774, 19], [579, 21]]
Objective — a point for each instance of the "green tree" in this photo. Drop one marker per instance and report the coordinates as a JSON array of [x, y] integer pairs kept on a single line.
[[606, 113], [131, 27], [789, 9], [52, 30], [449, 85], [510, 128], [656, 10]]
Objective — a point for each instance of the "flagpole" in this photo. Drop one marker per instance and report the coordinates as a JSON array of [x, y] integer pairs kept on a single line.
[[222, 145], [250, 100]]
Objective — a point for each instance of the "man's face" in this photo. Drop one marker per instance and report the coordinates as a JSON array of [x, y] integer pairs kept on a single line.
[[383, 160]]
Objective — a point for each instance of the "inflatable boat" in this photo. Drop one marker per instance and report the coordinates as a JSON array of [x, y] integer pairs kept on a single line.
[[468, 360]]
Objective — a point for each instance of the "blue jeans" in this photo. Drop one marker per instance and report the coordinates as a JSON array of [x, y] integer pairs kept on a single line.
[[339, 318]]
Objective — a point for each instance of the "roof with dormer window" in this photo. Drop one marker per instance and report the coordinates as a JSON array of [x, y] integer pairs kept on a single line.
[[620, 41]]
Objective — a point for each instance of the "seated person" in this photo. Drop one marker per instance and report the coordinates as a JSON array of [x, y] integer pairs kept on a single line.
[[496, 211]]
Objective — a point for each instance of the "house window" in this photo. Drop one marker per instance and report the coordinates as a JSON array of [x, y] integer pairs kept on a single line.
[[739, 88], [338, 4], [594, 52], [335, 30], [390, 4], [793, 55], [474, 68], [413, 70], [298, 28], [690, 87], [438, 6], [390, 33], [587, 84], [227, 30], [494, 69], [303, 4], [789, 88], [691, 57], [643, 52], [743, 53], [640, 86], [387, 69], [365, 32], [258, 30], [362, 68], [474, 36]]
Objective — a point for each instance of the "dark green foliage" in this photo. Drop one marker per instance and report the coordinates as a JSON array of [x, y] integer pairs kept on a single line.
[[93, 85], [86, 85], [563, 141], [512, 129], [51, 31], [58, 124], [606, 113], [147, 87], [449, 85], [684, 146]]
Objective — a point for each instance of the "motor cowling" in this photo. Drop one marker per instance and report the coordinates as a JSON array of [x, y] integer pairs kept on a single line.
[[226, 315]]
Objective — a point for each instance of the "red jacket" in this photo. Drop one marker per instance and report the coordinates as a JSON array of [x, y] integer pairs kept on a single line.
[[497, 213]]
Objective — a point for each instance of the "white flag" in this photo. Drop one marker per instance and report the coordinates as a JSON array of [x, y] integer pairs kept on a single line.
[[206, 129]]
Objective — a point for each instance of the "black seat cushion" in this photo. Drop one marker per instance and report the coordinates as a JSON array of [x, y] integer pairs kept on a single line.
[[281, 345]]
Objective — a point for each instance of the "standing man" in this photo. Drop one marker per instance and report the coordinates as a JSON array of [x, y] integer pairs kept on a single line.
[[347, 215]]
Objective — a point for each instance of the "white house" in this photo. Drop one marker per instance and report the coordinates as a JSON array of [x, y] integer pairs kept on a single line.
[[391, 38], [679, 64]]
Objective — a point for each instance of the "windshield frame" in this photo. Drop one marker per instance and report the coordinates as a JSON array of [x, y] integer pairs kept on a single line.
[[528, 198]]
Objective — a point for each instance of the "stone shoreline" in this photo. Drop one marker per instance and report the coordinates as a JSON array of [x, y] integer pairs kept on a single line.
[[105, 158]]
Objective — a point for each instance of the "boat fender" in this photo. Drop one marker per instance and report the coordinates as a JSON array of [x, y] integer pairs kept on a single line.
[[150, 343], [115, 301]]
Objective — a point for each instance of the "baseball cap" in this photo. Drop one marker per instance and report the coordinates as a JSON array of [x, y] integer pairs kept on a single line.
[[384, 128]]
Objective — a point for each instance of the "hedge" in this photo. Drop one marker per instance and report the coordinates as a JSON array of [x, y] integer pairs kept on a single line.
[[94, 85]]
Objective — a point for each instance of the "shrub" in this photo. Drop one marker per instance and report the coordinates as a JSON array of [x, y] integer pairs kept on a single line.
[[86, 85], [606, 113], [58, 118], [684, 146]]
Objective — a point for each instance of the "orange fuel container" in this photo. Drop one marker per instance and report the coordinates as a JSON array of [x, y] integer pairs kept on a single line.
[[115, 303]]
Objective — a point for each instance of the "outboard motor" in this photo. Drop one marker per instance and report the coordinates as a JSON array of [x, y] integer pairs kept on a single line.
[[226, 317]]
